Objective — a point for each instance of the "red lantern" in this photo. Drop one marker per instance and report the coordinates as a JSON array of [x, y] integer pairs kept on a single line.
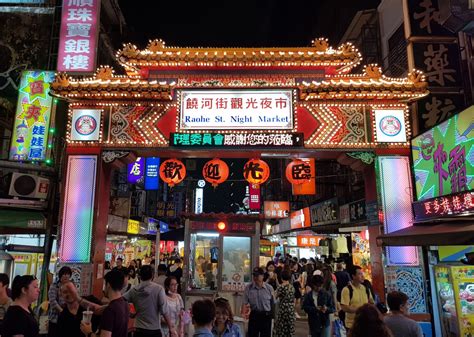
[[172, 171], [215, 171], [256, 171], [298, 172]]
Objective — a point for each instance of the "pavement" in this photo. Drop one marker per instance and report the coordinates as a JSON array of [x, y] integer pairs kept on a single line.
[[302, 329]]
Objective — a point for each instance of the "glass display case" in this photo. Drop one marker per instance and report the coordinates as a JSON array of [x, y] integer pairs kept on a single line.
[[455, 292]]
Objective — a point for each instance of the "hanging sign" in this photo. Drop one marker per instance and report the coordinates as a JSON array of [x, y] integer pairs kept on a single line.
[[300, 218], [276, 209], [172, 171], [214, 139], [151, 173], [85, 124], [78, 36], [236, 110], [307, 240], [135, 170], [133, 226], [324, 213], [254, 197], [32, 117], [215, 171], [307, 187], [256, 171], [298, 172]]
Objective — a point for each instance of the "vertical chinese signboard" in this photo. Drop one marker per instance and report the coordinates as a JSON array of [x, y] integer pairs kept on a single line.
[[78, 36], [434, 50], [442, 157], [32, 118]]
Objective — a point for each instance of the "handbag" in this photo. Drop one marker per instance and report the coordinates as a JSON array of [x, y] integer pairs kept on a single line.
[[338, 328]]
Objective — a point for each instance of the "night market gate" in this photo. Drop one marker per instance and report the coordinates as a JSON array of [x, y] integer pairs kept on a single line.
[[236, 103]]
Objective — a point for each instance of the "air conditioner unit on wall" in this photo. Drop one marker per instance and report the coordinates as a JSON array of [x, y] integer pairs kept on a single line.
[[28, 186]]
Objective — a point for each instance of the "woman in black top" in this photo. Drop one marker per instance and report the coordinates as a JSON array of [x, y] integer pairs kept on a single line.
[[19, 320]]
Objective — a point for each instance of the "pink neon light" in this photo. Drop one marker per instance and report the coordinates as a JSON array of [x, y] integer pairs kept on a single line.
[[78, 36]]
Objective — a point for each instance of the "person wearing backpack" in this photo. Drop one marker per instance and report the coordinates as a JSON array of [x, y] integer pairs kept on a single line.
[[354, 295]]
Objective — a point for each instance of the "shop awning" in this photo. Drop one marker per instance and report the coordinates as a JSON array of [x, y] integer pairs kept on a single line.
[[24, 221], [440, 234], [173, 235]]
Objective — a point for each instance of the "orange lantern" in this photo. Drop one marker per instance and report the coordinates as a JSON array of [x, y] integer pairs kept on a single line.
[[172, 171], [215, 171], [298, 172], [256, 171]]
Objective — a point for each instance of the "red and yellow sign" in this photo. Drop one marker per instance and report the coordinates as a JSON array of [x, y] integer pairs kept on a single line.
[[308, 187], [300, 218], [172, 171], [276, 209], [298, 172], [215, 172], [256, 171]]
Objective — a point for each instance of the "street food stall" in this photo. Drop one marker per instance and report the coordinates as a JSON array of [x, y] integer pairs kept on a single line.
[[222, 251]]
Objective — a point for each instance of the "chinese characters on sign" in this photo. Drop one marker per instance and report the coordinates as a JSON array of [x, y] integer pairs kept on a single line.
[[32, 118], [444, 206], [237, 109], [307, 241], [165, 209], [236, 139], [135, 170], [78, 35], [276, 209], [324, 213], [300, 218], [133, 226], [353, 212], [151, 173], [441, 162]]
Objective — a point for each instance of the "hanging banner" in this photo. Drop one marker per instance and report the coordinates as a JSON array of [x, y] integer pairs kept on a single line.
[[78, 36], [236, 109], [254, 196], [135, 170], [32, 117], [152, 165], [85, 124]]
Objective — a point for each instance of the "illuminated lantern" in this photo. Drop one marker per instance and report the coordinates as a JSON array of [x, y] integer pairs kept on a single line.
[[221, 225], [256, 171], [172, 171], [215, 171], [298, 172]]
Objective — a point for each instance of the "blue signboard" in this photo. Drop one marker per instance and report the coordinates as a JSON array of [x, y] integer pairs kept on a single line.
[[152, 166], [164, 227], [135, 170]]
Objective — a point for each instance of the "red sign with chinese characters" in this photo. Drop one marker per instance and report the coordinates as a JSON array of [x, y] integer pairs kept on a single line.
[[78, 36], [307, 241], [444, 206], [300, 218], [276, 209], [254, 197]]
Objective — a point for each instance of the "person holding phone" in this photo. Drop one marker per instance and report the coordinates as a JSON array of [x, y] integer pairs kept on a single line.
[[318, 304]]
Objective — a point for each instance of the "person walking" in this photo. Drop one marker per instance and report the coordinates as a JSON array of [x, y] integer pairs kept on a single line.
[[396, 320], [69, 319], [5, 301], [259, 300], [270, 275], [285, 320], [114, 320], [368, 322], [224, 324], [176, 270], [160, 277], [330, 286], [342, 279], [204, 314], [354, 295], [318, 304], [19, 319], [56, 302], [150, 303], [175, 306]]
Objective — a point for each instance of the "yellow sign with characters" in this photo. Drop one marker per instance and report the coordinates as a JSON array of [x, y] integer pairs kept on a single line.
[[133, 226]]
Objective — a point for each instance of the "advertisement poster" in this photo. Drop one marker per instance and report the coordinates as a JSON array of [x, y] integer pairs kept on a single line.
[[32, 118], [442, 157], [361, 253]]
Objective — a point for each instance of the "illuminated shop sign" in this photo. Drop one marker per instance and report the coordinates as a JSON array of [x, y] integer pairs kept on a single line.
[[442, 157], [152, 165], [236, 110], [231, 227], [444, 206], [78, 35], [32, 117], [135, 170], [390, 126], [236, 139], [133, 226], [85, 124], [307, 240], [276, 209], [300, 218]]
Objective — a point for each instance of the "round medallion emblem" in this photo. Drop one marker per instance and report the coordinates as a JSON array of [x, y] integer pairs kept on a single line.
[[390, 126], [85, 125]]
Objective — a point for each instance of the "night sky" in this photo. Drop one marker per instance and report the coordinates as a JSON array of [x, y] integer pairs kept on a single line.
[[244, 23]]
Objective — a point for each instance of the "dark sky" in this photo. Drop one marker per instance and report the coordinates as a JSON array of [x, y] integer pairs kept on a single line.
[[243, 23]]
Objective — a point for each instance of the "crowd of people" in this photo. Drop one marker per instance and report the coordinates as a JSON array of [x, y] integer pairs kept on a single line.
[[137, 302]]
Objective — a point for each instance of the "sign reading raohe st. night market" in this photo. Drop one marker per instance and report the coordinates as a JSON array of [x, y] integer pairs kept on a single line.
[[236, 110], [443, 157], [236, 139], [32, 118]]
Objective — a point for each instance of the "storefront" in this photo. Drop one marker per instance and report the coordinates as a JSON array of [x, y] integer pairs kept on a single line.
[[444, 221], [241, 103]]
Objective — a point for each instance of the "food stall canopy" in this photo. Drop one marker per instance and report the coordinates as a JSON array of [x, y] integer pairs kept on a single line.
[[173, 235], [441, 234]]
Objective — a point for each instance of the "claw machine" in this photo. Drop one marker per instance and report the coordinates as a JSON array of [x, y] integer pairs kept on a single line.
[[220, 254], [455, 292]]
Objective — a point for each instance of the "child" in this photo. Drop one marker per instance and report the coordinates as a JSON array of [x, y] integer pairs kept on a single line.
[[204, 314]]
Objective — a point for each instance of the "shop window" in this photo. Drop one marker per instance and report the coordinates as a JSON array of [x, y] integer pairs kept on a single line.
[[204, 260], [236, 265]]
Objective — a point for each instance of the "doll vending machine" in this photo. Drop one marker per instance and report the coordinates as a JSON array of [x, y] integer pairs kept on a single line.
[[455, 291]]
